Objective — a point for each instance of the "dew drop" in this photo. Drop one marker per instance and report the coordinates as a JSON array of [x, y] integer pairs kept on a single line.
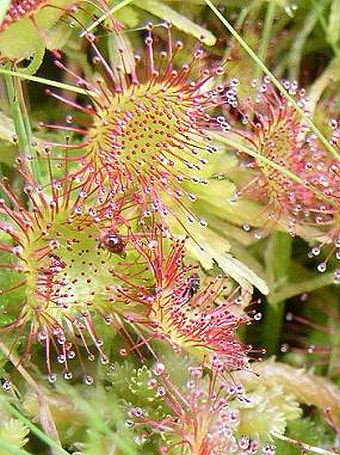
[[68, 375], [289, 316], [284, 348], [322, 267], [161, 392], [103, 360], [17, 250], [99, 342], [337, 277], [268, 450], [315, 251], [52, 378], [311, 349], [136, 411], [244, 443], [42, 336], [61, 358], [158, 369], [258, 316], [89, 380], [7, 385], [61, 340], [333, 124], [231, 390]]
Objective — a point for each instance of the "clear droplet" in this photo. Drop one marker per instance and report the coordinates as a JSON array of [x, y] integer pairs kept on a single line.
[[322, 267], [158, 369], [258, 316], [89, 380], [284, 348], [52, 378], [7, 385], [103, 360], [161, 391]]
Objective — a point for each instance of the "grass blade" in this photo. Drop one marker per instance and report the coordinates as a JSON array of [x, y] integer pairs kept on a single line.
[[268, 24], [48, 82], [21, 121]]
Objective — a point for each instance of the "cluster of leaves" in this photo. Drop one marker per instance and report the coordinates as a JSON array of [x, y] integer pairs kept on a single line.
[[167, 218]]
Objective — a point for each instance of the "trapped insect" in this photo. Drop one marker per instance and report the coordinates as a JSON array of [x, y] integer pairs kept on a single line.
[[112, 242]]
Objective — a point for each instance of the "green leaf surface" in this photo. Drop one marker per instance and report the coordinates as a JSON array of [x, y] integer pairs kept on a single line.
[[24, 38], [210, 250], [333, 30], [163, 11]]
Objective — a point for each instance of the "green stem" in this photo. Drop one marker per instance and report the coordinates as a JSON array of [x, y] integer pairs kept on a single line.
[[296, 51], [273, 79], [330, 74], [21, 122], [302, 287], [303, 445], [335, 349], [239, 24], [57, 449], [267, 29], [277, 261], [325, 26]]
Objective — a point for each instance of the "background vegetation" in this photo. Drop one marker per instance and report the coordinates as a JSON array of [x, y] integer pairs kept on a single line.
[[294, 398]]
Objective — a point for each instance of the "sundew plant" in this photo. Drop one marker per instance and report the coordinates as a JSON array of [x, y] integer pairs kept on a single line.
[[169, 227]]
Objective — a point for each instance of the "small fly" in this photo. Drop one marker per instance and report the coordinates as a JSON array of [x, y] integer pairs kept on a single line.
[[193, 285]]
